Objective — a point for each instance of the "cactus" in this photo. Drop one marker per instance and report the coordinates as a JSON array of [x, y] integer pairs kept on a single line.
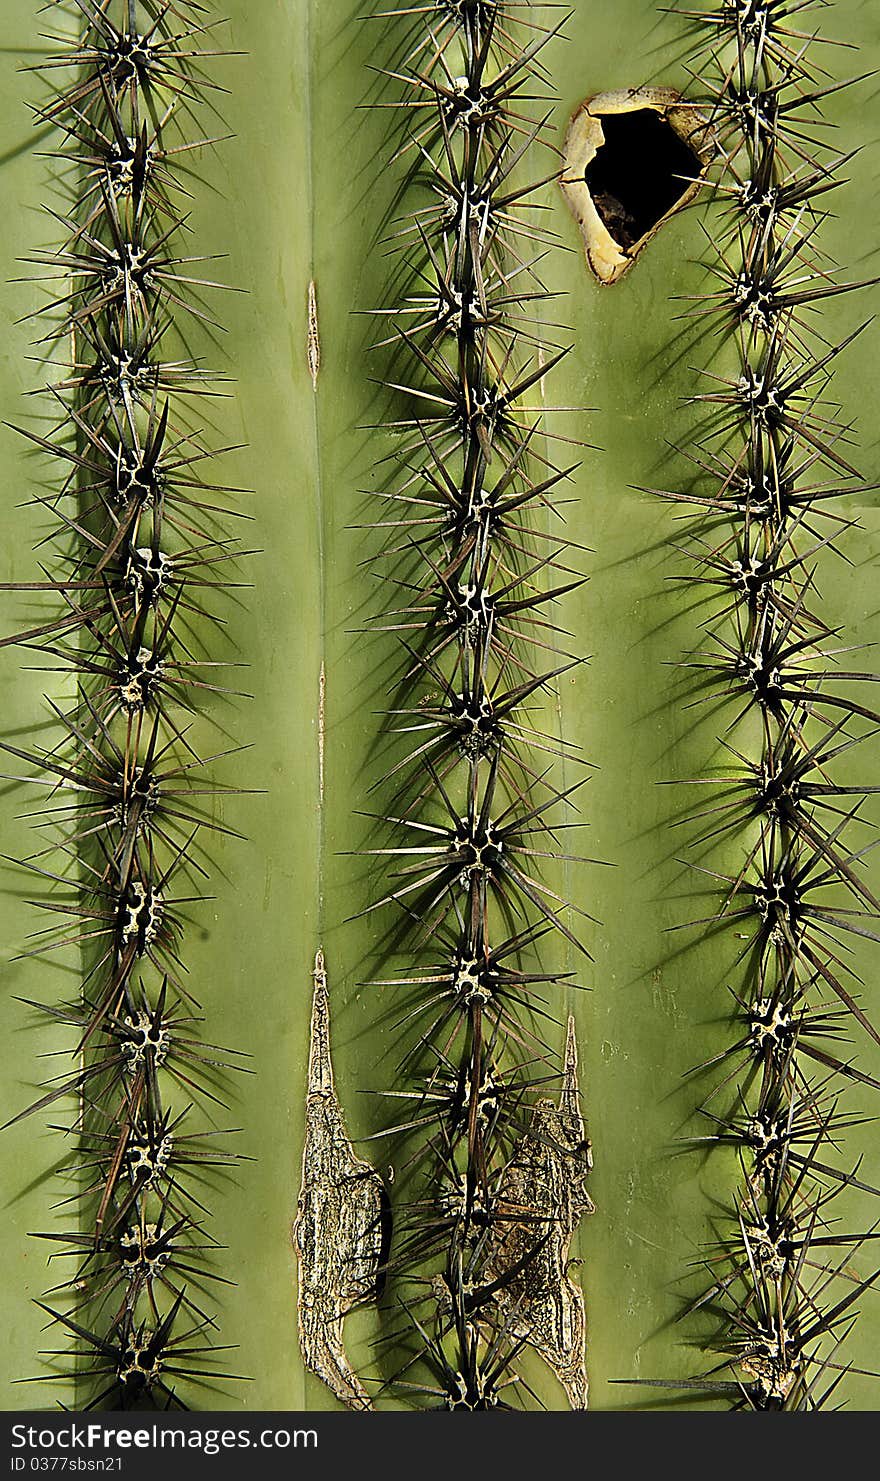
[[774, 469], [303, 198], [143, 542]]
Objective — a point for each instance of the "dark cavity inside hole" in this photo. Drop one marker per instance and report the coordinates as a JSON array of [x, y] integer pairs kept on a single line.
[[635, 177]]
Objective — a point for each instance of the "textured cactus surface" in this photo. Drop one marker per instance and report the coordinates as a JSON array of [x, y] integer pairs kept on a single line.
[[303, 193]]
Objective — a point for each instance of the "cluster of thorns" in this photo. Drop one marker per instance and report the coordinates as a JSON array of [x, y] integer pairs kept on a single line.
[[772, 463], [139, 539], [477, 801]]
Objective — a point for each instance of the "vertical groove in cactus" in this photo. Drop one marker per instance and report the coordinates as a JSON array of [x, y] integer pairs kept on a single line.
[[142, 549], [474, 565], [773, 465]]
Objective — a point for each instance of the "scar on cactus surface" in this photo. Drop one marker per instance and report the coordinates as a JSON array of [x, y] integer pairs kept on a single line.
[[542, 1199], [632, 159], [341, 1225]]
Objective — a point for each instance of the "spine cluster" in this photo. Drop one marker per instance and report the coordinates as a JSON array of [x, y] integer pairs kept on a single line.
[[773, 465], [140, 545], [478, 803]]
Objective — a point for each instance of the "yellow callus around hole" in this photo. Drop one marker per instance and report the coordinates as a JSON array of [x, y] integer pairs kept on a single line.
[[631, 160]]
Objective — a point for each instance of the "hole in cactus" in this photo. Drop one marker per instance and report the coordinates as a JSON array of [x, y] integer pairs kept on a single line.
[[632, 159], [640, 173]]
